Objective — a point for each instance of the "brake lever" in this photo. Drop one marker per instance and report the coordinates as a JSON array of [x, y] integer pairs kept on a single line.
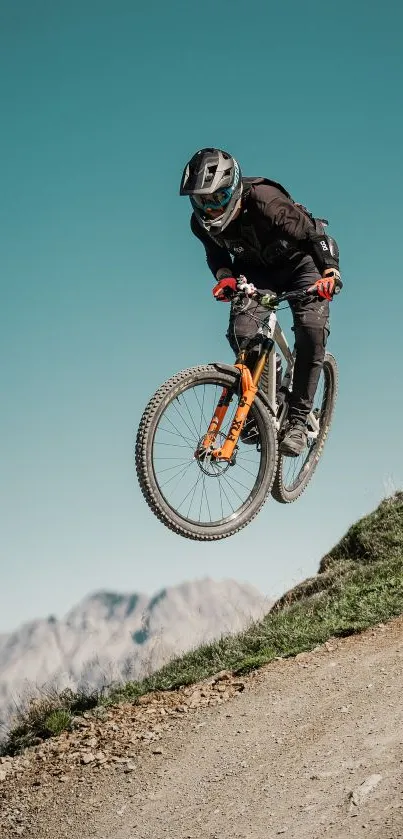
[[247, 288]]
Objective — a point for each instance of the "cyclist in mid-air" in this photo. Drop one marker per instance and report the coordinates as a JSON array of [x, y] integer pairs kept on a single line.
[[251, 226]]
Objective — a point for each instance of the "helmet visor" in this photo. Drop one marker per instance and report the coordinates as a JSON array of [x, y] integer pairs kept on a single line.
[[214, 200]]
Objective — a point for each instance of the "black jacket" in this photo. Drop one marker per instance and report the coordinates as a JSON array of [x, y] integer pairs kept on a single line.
[[269, 231]]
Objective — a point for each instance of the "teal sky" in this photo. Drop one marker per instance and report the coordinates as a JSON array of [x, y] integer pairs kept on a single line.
[[104, 294]]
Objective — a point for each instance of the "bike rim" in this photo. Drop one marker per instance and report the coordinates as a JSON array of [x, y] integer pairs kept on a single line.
[[204, 492]]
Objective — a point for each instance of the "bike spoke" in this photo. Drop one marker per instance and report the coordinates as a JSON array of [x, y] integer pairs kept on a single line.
[[171, 445], [229, 502], [174, 405], [191, 490], [246, 470], [174, 476], [170, 458], [239, 483], [176, 433], [206, 497], [202, 417], [232, 488], [178, 466], [183, 396], [201, 499], [222, 509]]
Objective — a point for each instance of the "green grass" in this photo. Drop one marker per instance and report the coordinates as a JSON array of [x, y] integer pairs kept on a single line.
[[47, 716], [359, 584]]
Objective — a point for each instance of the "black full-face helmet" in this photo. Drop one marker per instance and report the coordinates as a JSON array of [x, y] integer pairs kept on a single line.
[[212, 180]]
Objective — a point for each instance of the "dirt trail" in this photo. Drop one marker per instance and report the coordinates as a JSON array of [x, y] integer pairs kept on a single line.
[[312, 748]]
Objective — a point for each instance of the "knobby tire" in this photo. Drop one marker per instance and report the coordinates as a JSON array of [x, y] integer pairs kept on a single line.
[[158, 406]]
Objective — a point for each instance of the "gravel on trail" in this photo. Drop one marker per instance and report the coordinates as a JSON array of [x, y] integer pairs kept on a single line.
[[304, 748]]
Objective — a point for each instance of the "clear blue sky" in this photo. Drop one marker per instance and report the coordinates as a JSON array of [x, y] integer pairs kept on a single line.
[[104, 294]]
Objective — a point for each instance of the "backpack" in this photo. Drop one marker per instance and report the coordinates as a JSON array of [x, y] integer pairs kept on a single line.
[[320, 223]]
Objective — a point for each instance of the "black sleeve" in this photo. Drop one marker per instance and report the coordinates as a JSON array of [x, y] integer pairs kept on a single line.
[[292, 223], [216, 256]]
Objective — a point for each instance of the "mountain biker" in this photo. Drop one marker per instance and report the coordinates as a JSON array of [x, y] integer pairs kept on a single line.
[[252, 226]]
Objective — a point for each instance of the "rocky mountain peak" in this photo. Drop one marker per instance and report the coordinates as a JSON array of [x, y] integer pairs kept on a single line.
[[110, 636]]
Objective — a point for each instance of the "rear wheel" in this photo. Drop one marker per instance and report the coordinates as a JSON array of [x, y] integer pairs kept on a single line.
[[200, 497], [294, 473]]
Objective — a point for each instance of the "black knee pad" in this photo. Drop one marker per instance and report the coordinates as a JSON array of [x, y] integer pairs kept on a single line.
[[311, 339]]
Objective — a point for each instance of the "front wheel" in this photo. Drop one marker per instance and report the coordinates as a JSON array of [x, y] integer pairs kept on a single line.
[[199, 497], [294, 473]]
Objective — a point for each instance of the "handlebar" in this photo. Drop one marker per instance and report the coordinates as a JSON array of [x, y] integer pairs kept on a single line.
[[271, 300], [266, 299]]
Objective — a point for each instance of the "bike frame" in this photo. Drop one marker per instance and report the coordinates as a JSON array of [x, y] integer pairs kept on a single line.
[[270, 335]]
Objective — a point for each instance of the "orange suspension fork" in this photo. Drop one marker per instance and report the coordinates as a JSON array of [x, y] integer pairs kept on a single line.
[[217, 420], [249, 387]]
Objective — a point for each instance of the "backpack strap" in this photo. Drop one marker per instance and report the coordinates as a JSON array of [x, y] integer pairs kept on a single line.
[[249, 182], [320, 223]]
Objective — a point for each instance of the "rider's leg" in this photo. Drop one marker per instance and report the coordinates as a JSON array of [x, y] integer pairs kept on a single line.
[[311, 334], [245, 319], [244, 323], [311, 327]]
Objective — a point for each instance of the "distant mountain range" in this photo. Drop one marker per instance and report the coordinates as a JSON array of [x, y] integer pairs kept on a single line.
[[112, 637]]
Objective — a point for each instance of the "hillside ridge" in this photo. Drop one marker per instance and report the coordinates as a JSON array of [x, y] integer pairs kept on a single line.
[[324, 666], [111, 637]]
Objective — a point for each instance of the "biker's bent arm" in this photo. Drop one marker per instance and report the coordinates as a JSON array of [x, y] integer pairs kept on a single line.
[[218, 257]]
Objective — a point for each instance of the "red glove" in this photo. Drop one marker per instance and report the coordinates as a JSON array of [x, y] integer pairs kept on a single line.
[[225, 289], [327, 285]]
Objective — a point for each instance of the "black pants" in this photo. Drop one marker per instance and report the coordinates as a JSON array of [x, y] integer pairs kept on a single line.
[[311, 327]]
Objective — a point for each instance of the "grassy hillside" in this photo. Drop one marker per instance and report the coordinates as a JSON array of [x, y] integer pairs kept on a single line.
[[359, 584]]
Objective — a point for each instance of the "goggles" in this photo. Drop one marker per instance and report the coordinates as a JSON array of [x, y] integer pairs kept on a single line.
[[213, 201]]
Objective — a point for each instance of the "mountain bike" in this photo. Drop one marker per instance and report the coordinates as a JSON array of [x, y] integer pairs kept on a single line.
[[207, 447]]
